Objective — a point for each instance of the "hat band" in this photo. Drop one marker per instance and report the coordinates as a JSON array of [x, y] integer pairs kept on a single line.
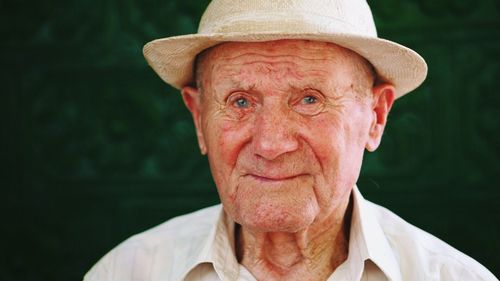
[[273, 22]]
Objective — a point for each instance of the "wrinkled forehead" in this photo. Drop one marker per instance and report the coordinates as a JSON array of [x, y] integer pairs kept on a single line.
[[308, 57], [309, 50]]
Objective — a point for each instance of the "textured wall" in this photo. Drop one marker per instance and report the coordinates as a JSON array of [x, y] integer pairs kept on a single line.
[[96, 148]]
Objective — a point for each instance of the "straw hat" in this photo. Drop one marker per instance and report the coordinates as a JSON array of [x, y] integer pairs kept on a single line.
[[348, 23]]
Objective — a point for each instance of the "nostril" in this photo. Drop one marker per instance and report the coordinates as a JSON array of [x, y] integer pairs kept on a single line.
[[273, 143]]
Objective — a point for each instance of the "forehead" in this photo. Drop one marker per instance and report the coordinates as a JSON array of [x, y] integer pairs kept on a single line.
[[305, 47], [296, 58]]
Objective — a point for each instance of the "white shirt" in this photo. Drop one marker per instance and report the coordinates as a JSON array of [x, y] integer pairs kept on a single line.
[[200, 247]]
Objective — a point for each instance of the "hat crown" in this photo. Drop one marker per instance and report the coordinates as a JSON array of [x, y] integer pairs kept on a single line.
[[291, 16]]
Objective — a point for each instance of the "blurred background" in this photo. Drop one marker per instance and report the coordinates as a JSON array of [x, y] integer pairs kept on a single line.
[[95, 147]]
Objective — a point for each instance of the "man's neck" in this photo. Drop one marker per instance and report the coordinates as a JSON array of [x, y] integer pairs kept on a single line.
[[311, 254]]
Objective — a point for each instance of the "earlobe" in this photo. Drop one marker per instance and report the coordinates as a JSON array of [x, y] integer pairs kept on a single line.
[[383, 98], [191, 97]]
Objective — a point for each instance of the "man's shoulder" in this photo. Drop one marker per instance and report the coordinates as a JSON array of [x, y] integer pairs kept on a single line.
[[185, 225], [176, 239], [175, 230], [423, 255]]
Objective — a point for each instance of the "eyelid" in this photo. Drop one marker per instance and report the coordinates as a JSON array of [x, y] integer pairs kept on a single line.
[[310, 92], [235, 95], [309, 109]]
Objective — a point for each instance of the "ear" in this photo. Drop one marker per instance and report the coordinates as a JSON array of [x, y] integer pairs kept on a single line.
[[383, 98], [192, 100]]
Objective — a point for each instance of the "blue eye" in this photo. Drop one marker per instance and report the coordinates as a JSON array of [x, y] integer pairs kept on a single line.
[[241, 103], [309, 103], [309, 100]]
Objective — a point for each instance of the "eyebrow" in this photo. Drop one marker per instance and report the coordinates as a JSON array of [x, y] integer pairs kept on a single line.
[[239, 84], [235, 84]]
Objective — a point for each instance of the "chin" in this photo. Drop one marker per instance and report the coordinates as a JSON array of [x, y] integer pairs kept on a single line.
[[272, 218]]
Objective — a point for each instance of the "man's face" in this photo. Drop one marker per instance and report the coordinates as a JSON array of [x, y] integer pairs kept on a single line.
[[284, 125]]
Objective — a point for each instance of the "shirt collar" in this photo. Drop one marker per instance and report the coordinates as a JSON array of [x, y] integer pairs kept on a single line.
[[367, 241], [217, 249]]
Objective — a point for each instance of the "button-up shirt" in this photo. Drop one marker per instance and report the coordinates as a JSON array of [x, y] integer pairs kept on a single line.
[[200, 247]]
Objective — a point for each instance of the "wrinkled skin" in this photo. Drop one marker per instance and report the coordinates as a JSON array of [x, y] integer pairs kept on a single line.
[[285, 125]]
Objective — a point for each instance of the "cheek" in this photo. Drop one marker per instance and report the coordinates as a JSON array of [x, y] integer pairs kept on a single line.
[[337, 143], [226, 139], [326, 136], [225, 142], [344, 133]]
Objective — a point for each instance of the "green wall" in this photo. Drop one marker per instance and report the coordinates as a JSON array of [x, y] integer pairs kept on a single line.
[[96, 148]]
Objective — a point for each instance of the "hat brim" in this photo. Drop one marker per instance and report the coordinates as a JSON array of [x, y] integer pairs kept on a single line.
[[172, 58]]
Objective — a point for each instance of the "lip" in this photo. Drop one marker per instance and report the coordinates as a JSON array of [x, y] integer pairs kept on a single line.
[[274, 178]]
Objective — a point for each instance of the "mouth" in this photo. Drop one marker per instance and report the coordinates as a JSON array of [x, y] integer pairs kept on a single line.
[[267, 178]]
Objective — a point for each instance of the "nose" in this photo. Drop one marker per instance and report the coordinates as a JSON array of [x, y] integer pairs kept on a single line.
[[274, 133]]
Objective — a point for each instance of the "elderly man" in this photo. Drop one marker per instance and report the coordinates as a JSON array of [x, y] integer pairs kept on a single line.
[[285, 97]]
